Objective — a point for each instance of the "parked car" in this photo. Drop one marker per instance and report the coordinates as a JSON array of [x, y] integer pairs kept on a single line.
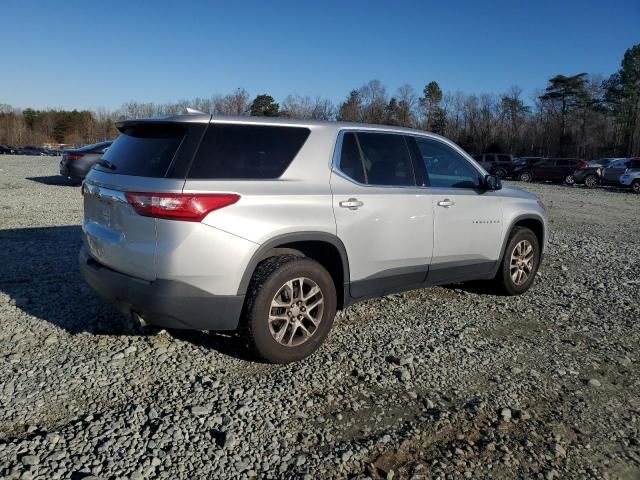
[[498, 164], [631, 176], [222, 224], [31, 150], [7, 150], [588, 173], [610, 174], [77, 162], [548, 169]]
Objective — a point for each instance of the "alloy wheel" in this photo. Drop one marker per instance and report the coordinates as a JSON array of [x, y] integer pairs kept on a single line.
[[635, 186], [525, 177], [569, 180], [521, 264], [296, 312], [590, 181]]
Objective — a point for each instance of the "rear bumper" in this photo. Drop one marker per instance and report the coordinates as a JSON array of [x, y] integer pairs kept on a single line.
[[164, 303], [73, 171]]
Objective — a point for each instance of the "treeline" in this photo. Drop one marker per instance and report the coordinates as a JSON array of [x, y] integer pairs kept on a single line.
[[579, 115]]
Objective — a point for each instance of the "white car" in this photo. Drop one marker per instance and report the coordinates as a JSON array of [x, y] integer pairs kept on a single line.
[[270, 225], [631, 176]]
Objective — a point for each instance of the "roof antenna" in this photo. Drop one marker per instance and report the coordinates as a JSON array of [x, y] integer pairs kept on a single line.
[[193, 111]]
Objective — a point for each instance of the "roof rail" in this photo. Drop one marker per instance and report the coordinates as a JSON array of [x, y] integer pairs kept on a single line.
[[193, 111]]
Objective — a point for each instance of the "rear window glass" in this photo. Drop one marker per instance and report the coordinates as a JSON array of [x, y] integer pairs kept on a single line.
[[247, 151], [143, 151]]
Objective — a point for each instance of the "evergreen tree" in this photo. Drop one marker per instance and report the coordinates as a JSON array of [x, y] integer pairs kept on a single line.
[[264, 106], [351, 109]]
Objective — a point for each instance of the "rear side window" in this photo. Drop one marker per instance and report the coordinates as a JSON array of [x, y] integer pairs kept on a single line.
[[489, 158], [504, 159], [350, 160], [386, 159], [143, 151], [247, 151]]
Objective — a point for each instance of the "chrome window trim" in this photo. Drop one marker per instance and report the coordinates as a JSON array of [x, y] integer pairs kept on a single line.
[[335, 162]]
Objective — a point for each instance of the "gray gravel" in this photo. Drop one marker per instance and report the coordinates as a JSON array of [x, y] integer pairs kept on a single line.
[[441, 383]]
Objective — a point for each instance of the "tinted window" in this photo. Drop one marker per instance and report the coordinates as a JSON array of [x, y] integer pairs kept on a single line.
[[247, 151], [144, 151], [446, 167], [386, 159], [489, 158], [634, 164], [504, 158], [619, 163], [562, 163], [350, 160]]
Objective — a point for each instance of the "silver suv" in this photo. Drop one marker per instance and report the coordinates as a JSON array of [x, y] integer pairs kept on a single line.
[[268, 226]]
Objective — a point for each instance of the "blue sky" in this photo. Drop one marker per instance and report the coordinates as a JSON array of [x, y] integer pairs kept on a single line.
[[88, 54]]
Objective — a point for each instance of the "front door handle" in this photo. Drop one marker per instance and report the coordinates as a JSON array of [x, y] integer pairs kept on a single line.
[[351, 204], [446, 203]]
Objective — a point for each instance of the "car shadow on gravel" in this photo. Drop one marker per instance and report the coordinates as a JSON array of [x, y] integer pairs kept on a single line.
[[40, 274], [55, 180]]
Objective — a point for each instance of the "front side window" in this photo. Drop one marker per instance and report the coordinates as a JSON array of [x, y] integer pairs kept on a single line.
[[445, 167], [377, 159], [232, 151]]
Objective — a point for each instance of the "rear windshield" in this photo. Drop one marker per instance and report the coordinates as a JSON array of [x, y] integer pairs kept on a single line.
[[247, 151], [143, 151]]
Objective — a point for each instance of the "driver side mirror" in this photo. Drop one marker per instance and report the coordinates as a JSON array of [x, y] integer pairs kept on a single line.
[[492, 182]]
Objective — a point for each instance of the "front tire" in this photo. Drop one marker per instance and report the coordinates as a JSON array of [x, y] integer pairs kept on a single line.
[[520, 262], [525, 177], [290, 307], [569, 180]]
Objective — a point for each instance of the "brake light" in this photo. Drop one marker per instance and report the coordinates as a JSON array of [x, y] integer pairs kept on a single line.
[[583, 165], [74, 156], [190, 207]]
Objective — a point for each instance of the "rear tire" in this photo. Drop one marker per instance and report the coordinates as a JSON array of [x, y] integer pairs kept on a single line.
[[519, 263], [501, 173], [290, 307], [569, 180], [590, 181], [525, 177], [635, 186]]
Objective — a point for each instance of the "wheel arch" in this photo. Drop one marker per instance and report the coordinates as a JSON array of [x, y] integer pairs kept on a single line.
[[325, 248], [533, 222]]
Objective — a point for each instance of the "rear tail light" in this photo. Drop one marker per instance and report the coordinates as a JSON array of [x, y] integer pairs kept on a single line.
[[583, 165], [190, 207], [74, 156]]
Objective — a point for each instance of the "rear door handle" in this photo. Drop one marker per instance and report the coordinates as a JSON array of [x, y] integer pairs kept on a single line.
[[446, 203], [351, 204]]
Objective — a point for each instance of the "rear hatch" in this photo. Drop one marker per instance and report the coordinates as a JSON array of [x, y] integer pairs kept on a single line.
[[148, 156]]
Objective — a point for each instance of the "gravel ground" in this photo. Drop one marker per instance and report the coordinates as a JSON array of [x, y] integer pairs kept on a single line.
[[440, 383]]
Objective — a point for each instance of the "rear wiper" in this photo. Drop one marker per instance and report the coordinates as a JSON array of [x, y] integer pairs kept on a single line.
[[107, 164]]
